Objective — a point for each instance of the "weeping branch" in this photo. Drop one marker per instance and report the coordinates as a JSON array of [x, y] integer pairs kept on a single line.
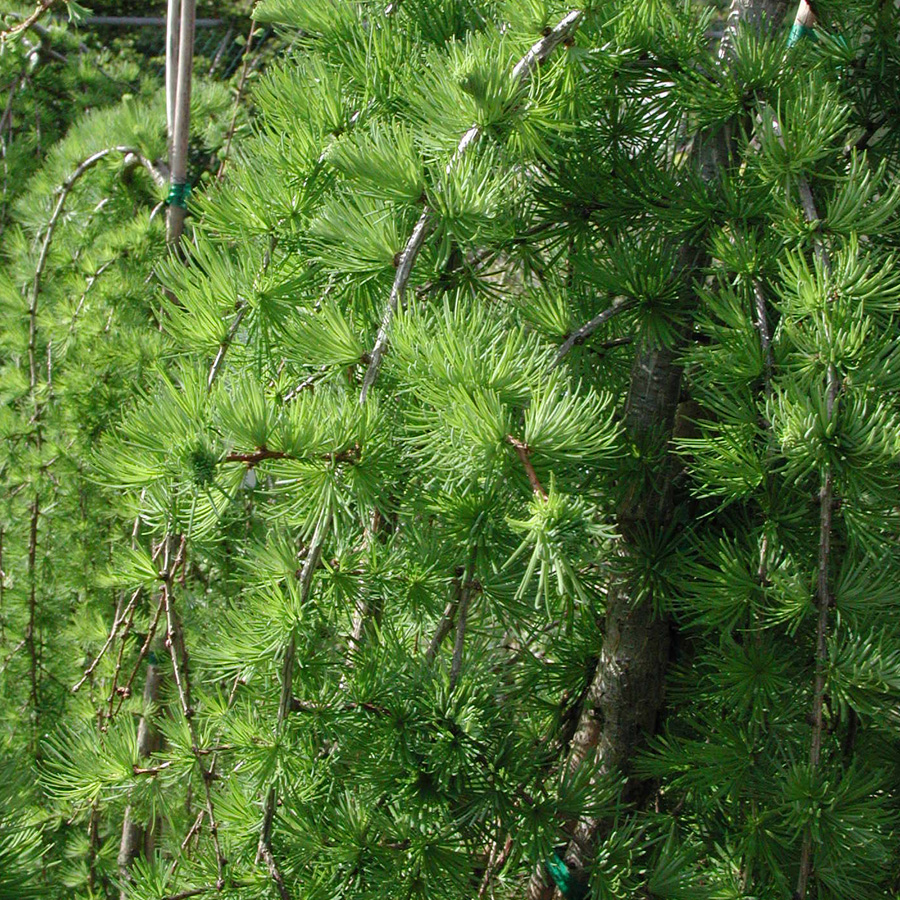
[[175, 643], [64, 190], [117, 623], [520, 74], [27, 22], [242, 82], [236, 323], [524, 453], [310, 564], [826, 522]]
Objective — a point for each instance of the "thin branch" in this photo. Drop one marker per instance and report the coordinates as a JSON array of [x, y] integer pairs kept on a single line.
[[520, 73], [444, 627], [232, 331], [495, 863], [64, 190], [305, 385], [310, 564], [10, 655], [462, 618], [145, 647], [175, 642], [619, 305], [524, 453], [117, 622], [193, 892], [26, 23], [242, 81], [826, 521]]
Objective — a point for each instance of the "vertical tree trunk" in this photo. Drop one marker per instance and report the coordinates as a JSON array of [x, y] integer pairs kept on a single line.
[[626, 694]]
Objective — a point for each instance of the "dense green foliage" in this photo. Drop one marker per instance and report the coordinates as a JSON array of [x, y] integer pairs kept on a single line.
[[371, 597]]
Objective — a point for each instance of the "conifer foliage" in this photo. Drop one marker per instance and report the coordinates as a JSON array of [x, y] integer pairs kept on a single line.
[[504, 498]]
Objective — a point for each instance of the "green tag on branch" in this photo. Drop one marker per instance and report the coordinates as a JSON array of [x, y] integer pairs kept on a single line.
[[570, 886], [798, 32], [178, 194]]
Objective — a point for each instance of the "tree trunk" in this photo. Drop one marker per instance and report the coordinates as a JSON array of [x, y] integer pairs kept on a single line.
[[626, 694]]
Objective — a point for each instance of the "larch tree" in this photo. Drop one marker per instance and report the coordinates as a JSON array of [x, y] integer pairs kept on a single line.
[[510, 509]]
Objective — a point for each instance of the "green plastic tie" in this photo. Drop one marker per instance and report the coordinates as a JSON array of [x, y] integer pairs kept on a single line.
[[178, 194], [569, 887], [798, 32]]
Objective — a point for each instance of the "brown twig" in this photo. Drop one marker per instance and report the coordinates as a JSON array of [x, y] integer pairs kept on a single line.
[[242, 311], [242, 81], [175, 643], [826, 521], [495, 863], [350, 455], [145, 647], [310, 564], [64, 190], [524, 453], [444, 626]]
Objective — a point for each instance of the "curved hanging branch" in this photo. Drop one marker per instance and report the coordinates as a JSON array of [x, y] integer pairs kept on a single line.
[[520, 73], [130, 153]]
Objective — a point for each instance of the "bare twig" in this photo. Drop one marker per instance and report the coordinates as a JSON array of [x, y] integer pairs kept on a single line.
[[64, 190], [619, 305], [444, 626], [823, 596], [232, 331], [524, 453], [462, 618], [175, 642], [117, 622], [145, 647], [242, 81]]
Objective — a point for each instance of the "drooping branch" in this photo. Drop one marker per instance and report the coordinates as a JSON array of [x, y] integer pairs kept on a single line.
[[807, 19], [113, 632], [310, 564], [537, 54], [64, 190], [175, 643], [242, 311], [242, 82], [468, 588]]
